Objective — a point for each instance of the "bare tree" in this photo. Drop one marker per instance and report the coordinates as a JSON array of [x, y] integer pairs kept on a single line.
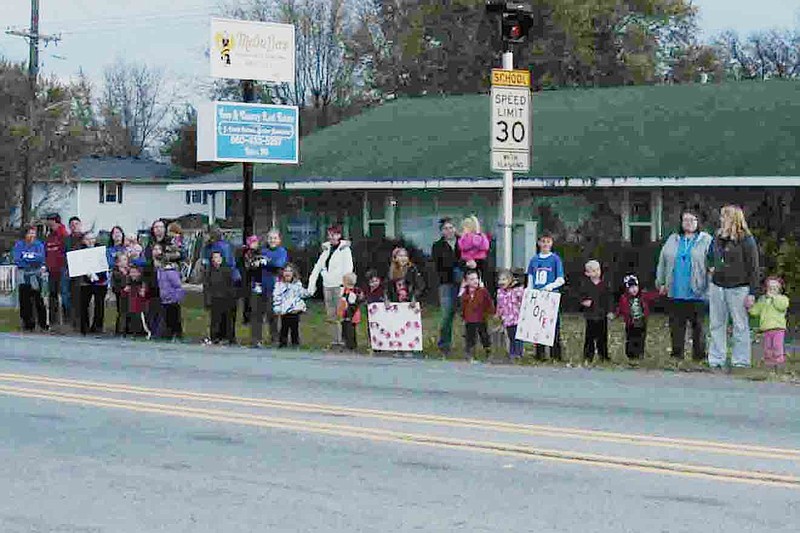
[[768, 54], [133, 105]]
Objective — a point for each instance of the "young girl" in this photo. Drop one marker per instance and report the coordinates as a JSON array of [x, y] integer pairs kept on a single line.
[[771, 312], [634, 308], [406, 282], [476, 307], [288, 304], [473, 245], [119, 278], [137, 295], [509, 301], [349, 310], [171, 293], [375, 289]]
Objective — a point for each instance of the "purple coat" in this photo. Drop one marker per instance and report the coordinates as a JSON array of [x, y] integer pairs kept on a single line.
[[169, 286]]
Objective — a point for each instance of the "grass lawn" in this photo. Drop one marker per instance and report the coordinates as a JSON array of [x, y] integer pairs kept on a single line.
[[315, 334]]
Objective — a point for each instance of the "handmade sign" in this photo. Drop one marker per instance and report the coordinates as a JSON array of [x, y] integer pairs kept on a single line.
[[87, 261], [397, 328], [537, 317]]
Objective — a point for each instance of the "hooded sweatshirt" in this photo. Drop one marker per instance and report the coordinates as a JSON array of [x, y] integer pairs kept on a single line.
[[29, 258], [56, 250], [332, 265]]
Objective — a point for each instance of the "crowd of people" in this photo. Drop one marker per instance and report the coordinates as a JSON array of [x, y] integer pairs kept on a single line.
[[695, 271]]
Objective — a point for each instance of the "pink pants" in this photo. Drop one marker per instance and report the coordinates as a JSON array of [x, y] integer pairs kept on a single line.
[[774, 353]]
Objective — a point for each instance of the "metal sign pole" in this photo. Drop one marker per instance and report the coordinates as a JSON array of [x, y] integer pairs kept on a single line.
[[248, 95], [508, 191]]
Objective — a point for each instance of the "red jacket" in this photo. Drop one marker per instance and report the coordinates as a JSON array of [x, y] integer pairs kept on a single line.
[[55, 249], [476, 305], [624, 308]]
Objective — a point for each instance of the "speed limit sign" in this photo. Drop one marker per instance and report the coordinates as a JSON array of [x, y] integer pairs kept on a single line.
[[511, 122]]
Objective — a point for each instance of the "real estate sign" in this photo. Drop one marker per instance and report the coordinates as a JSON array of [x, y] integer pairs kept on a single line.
[[247, 133], [247, 50]]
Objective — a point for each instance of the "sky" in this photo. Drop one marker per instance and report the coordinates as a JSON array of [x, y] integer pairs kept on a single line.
[[172, 34]]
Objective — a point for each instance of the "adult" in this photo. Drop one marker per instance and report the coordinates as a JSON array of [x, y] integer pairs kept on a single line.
[[72, 287], [335, 260], [158, 235], [155, 312], [93, 289], [682, 276], [271, 260], [734, 265], [449, 270], [55, 259], [29, 256], [116, 246]]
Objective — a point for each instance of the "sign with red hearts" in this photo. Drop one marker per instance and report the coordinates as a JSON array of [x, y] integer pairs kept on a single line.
[[396, 328]]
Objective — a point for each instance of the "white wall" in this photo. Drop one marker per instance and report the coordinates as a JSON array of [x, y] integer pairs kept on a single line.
[[142, 203]]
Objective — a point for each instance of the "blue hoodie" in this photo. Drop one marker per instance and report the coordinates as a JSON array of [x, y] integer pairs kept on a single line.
[[28, 256], [274, 260], [111, 254]]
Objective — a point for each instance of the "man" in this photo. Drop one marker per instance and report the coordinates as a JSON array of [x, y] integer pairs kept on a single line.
[[56, 261], [70, 288], [449, 270]]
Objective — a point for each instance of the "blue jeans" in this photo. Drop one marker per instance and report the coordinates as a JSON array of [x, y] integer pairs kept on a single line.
[[515, 347], [448, 297], [726, 304]]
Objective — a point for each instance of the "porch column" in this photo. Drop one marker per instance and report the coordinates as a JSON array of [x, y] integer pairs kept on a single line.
[[625, 215], [391, 211], [365, 213], [658, 214]]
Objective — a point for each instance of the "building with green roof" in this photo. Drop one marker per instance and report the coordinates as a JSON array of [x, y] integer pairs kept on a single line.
[[608, 165]]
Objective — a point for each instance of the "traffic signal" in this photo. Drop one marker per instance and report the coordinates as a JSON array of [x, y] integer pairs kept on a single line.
[[517, 19]]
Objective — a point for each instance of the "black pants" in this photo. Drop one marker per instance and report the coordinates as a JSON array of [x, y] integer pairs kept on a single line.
[[290, 326], [31, 308], [222, 327], [555, 351], [474, 330], [134, 324], [349, 335], [122, 311], [75, 302], [155, 318], [247, 306], [54, 299], [596, 339], [92, 294], [173, 325], [684, 311], [635, 340], [261, 310]]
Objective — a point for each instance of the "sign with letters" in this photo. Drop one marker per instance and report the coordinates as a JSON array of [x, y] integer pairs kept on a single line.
[[511, 120], [537, 317], [248, 50]]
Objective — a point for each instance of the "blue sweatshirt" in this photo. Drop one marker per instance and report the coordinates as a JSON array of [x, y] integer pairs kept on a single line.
[[274, 260], [28, 256], [111, 254]]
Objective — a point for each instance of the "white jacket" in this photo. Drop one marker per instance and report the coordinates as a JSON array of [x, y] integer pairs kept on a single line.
[[340, 264]]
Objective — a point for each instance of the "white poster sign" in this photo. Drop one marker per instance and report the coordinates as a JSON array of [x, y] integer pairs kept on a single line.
[[87, 261], [397, 328], [246, 50], [537, 317]]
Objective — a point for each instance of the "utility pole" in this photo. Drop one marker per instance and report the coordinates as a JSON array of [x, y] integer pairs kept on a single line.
[[33, 37], [248, 95]]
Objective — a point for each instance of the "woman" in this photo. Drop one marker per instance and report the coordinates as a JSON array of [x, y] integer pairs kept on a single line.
[[155, 312], [268, 264], [29, 256], [734, 266], [116, 246], [333, 263], [93, 290], [158, 235], [682, 276]]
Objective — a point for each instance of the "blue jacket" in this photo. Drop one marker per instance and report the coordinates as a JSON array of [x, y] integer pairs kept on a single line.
[[111, 254], [225, 248], [28, 256], [273, 260]]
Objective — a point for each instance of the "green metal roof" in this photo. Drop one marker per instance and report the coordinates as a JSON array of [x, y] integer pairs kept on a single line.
[[733, 129]]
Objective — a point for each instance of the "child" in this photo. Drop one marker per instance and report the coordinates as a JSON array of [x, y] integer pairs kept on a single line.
[[219, 293], [406, 282], [476, 307], [634, 308], [473, 246], [137, 295], [509, 301], [119, 278], [349, 310], [136, 255], [171, 293], [173, 251], [375, 289], [596, 306], [288, 304], [546, 273], [93, 289], [771, 312]]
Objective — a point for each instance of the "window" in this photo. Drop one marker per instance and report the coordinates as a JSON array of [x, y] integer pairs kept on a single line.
[[110, 192], [641, 220], [196, 197]]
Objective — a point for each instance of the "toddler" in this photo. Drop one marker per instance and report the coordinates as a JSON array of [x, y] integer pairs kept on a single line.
[[509, 301], [771, 312], [476, 307], [288, 304], [634, 308], [349, 310]]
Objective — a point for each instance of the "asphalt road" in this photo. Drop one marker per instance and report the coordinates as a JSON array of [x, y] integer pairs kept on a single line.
[[101, 435]]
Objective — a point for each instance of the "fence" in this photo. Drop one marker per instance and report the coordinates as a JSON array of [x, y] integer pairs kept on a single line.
[[8, 279]]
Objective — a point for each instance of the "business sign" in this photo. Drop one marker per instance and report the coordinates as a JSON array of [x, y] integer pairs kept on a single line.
[[246, 50], [537, 317], [247, 133], [511, 120]]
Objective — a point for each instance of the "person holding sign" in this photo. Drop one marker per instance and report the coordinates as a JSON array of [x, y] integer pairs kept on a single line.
[[546, 273], [93, 289]]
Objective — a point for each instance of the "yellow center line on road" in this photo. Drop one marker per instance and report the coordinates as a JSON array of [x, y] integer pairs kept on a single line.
[[742, 450], [496, 448]]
